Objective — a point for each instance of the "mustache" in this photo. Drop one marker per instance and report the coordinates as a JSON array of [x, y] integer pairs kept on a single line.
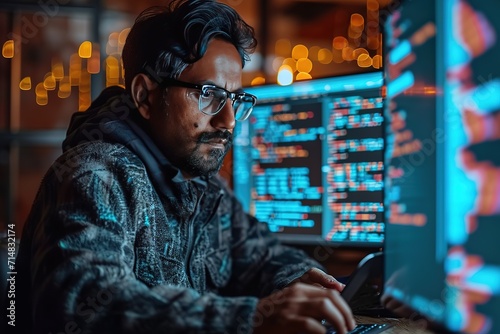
[[208, 136]]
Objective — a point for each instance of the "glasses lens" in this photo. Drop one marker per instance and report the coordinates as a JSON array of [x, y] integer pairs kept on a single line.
[[243, 106], [211, 100]]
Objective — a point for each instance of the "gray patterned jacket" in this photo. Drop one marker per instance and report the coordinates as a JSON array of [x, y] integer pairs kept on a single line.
[[119, 242]]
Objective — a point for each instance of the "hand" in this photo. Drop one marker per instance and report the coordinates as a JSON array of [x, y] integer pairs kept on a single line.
[[300, 308], [319, 278]]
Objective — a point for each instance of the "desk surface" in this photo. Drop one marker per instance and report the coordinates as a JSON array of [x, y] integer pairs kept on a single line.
[[400, 325]]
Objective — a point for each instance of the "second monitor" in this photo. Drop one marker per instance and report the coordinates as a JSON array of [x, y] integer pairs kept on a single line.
[[309, 161]]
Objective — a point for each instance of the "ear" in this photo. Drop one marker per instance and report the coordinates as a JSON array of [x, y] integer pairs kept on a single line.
[[142, 89]]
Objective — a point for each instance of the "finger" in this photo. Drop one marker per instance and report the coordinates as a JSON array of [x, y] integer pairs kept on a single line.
[[334, 284], [301, 293], [341, 305], [323, 308], [311, 291], [345, 309], [296, 315], [330, 306], [304, 289], [317, 276]]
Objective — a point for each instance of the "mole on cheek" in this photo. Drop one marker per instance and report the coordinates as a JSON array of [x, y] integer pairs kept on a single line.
[[196, 125]]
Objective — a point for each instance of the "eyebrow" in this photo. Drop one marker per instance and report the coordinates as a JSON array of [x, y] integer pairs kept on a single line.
[[208, 82]]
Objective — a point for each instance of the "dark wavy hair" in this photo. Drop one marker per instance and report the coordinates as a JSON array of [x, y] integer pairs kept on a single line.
[[167, 39]]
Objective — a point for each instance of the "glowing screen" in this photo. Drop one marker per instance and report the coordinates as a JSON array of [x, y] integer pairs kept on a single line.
[[442, 162], [309, 161]]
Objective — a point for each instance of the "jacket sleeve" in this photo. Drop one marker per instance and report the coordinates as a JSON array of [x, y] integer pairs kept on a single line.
[[261, 264], [82, 265]]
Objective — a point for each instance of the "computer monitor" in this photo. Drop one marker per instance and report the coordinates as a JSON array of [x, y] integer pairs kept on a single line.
[[309, 161], [442, 259]]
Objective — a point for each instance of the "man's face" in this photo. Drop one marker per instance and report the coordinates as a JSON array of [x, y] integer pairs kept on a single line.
[[194, 142]]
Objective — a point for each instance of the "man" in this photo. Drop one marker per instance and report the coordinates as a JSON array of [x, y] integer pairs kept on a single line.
[[133, 231]]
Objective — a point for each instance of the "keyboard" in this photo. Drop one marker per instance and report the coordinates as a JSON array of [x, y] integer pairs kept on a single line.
[[365, 329]]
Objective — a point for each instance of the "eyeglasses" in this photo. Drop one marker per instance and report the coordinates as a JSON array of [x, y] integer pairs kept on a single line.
[[213, 98]]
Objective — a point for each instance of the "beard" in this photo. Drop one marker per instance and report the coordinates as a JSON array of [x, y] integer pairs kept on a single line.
[[199, 164]]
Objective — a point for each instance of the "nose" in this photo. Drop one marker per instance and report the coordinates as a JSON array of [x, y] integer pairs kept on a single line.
[[224, 119]]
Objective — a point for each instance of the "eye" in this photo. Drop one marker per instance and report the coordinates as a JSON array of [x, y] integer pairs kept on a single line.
[[207, 93]]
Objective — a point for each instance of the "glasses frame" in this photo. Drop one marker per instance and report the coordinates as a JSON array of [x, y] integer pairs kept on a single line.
[[234, 96]]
